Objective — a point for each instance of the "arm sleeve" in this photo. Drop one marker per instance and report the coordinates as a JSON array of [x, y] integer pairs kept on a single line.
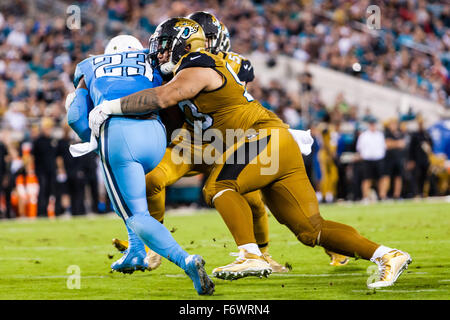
[[78, 114]]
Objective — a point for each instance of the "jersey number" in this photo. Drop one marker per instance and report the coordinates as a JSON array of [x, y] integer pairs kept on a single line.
[[247, 95], [194, 116], [125, 64]]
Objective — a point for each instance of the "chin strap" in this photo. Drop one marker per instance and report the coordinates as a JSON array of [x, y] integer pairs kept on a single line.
[[167, 68]]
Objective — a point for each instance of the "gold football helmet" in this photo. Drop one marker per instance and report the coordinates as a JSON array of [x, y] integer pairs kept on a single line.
[[178, 36]]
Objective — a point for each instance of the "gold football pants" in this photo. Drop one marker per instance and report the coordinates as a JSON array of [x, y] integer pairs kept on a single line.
[[273, 163]]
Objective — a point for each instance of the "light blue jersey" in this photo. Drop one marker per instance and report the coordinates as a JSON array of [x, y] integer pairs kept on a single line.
[[108, 77], [112, 76]]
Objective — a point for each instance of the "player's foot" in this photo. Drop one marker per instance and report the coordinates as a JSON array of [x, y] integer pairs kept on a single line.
[[337, 259], [196, 271], [390, 267], [247, 264], [276, 267], [153, 260], [122, 245], [131, 261]]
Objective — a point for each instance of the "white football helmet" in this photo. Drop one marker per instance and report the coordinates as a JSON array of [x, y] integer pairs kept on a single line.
[[123, 43]]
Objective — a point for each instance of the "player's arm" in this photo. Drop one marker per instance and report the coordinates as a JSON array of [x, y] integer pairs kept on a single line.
[[185, 85], [78, 105]]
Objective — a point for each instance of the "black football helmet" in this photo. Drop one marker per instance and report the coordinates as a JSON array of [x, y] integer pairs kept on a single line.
[[225, 39], [178, 36], [212, 28]]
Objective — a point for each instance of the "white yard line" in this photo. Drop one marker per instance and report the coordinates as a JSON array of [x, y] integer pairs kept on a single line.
[[401, 291]]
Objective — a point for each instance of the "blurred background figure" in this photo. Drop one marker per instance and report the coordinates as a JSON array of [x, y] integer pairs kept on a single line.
[[395, 159], [44, 152], [5, 205], [328, 168], [371, 147], [420, 149], [75, 176]]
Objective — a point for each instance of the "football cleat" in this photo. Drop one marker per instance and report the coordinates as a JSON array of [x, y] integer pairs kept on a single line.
[[246, 264], [196, 271], [390, 267], [276, 267], [153, 260], [130, 262], [337, 259]]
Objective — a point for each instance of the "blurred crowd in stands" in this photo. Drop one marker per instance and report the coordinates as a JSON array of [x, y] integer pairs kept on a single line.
[[38, 54]]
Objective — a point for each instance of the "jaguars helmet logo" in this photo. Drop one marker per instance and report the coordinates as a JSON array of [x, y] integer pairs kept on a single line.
[[187, 28]]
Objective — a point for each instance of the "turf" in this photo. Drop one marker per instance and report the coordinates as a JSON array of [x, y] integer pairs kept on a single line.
[[35, 257]]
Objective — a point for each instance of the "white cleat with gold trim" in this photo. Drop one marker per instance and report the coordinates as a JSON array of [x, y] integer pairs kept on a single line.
[[390, 267]]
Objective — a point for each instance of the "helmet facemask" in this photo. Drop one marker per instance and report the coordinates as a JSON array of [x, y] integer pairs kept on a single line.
[[225, 41], [212, 43], [172, 37], [160, 45]]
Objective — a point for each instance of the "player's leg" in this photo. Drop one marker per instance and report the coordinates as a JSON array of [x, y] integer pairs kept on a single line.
[[134, 252], [291, 199], [261, 228], [126, 155], [224, 189], [169, 170], [260, 219]]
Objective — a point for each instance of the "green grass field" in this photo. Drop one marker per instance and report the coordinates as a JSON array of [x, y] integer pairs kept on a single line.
[[35, 257]]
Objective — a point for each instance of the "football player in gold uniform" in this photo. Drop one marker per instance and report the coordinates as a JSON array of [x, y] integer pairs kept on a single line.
[[272, 159], [172, 167]]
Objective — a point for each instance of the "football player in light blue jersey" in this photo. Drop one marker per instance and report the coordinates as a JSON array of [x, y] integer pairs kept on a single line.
[[128, 148], [109, 76]]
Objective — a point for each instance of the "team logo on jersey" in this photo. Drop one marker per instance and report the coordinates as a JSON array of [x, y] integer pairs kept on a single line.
[[188, 28]]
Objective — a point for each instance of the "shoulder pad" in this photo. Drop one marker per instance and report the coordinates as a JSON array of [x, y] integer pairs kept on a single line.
[[246, 72], [196, 59]]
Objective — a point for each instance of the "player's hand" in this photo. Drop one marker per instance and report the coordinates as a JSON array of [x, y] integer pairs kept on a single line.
[[100, 113], [96, 118]]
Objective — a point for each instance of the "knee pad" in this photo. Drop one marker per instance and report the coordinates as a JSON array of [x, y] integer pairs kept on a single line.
[[212, 192], [155, 181]]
